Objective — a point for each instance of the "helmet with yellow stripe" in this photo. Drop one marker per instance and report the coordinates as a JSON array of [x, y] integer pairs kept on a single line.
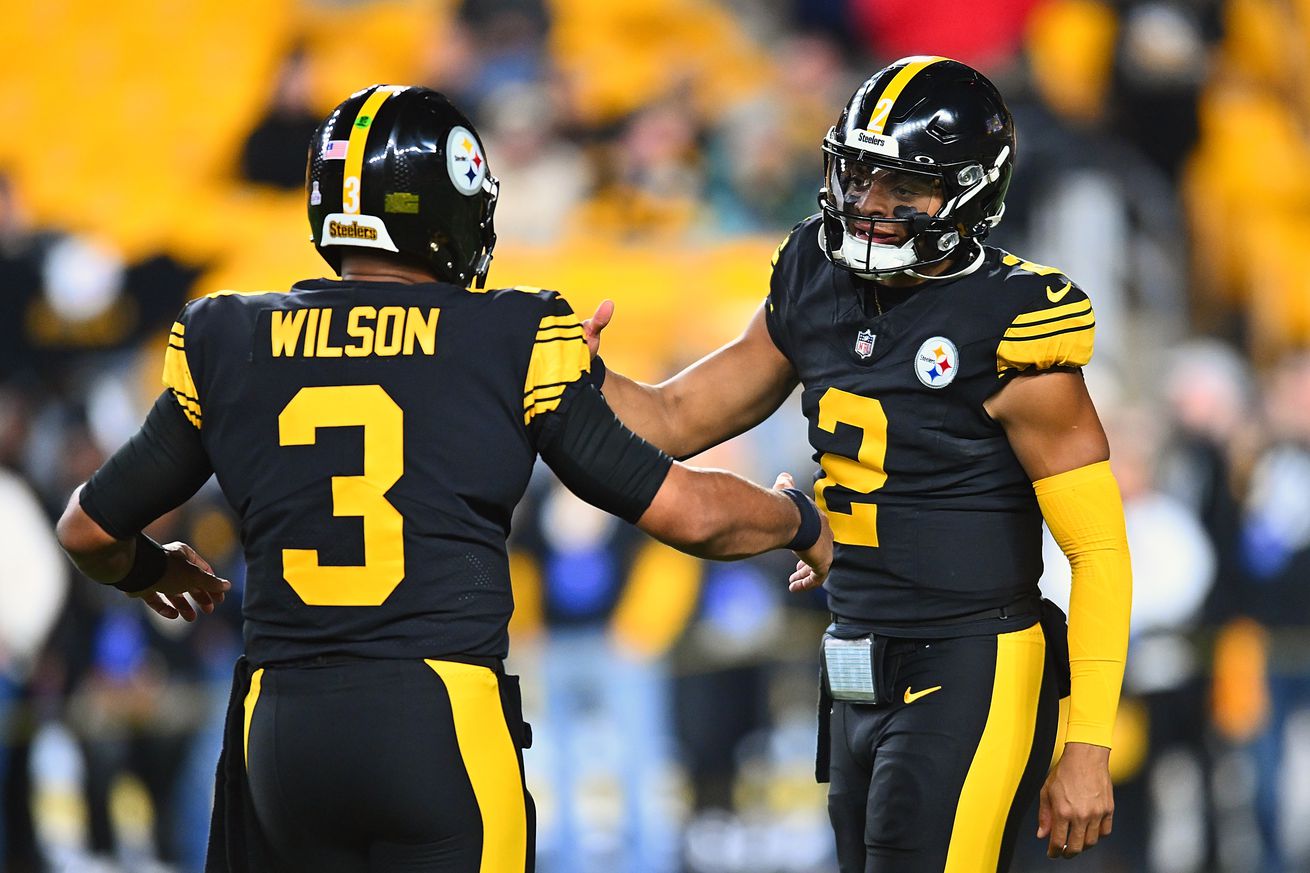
[[400, 169], [926, 147]]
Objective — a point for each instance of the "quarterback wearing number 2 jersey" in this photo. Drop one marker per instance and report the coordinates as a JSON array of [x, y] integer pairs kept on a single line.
[[942, 383], [933, 516]]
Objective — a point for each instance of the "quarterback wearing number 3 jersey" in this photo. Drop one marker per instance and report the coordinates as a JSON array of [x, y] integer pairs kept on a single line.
[[373, 434], [942, 383]]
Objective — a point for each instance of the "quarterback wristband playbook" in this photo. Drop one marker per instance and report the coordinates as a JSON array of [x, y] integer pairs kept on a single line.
[[147, 566], [853, 665], [808, 533], [1084, 511]]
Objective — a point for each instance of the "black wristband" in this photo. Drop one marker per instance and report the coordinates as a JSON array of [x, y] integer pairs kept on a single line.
[[597, 374], [808, 533], [147, 567]]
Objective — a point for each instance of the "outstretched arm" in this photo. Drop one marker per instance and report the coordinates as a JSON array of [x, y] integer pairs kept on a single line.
[[720, 515], [707, 513], [726, 393], [158, 469], [1057, 436]]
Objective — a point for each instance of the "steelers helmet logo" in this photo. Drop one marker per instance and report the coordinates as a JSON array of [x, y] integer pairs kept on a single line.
[[937, 362], [464, 161]]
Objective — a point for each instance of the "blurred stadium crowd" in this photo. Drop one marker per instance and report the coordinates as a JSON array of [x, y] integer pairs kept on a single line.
[[655, 151]]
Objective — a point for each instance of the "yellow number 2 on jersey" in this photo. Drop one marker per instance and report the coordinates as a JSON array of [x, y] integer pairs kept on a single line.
[[383, 421], [864, 475]]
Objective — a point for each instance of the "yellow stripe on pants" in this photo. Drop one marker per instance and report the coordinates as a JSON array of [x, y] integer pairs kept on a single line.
[[1002, 754], [491, 761], [252, 697]]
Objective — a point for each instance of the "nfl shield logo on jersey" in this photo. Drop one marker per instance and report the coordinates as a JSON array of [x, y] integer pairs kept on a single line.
[[864, 343]]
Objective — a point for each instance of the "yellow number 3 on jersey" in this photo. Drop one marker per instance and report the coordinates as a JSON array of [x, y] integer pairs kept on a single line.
[[383, 421], [864, 475]]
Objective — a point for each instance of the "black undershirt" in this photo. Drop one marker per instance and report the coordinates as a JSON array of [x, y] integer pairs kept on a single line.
[[599, 459], [155, 471]]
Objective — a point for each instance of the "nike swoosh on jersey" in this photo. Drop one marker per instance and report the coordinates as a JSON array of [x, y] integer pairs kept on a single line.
[[1057, 296], [911, 696]]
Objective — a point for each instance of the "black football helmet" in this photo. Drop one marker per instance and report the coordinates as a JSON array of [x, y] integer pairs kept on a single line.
[[400, 169], [934, 124]]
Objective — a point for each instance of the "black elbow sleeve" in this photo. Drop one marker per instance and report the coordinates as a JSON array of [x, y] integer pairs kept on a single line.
[[599, 459], [157, 470]]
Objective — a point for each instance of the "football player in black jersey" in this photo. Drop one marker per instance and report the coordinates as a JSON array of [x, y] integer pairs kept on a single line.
[[374, 434], [942, 383]]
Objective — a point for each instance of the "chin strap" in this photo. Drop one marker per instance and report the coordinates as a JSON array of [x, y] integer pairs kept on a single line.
[[972, 267]]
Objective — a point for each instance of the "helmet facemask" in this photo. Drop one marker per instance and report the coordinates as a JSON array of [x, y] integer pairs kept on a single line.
[[939, 206], [488, 227]]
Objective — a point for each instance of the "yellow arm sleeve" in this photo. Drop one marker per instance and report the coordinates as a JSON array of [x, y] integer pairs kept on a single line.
[[1085, 513]]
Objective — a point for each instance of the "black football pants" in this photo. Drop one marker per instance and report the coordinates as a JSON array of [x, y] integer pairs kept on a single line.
[[937, 780], [388, 767]]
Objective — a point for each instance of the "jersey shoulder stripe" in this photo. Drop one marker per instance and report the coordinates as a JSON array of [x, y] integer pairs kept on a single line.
[[1054, 322], [186, 337], [560, 356], [177, 375]]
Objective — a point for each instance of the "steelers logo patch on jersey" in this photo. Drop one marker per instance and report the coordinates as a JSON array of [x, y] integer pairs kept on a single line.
[[464, 161], [937, 362]]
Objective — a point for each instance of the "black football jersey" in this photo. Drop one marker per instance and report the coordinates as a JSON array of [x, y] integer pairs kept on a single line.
[[933, 516], [374, 439]]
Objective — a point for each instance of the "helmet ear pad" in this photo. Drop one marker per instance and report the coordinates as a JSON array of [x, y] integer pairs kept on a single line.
[[402, 170]]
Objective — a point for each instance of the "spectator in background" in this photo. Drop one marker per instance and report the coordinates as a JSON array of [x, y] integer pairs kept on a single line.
[[551, 175], [651, 176], [1161, 63], [760, 155], [1276, 551], [21, 253], [1210, 403], [33, 584], [510, 34], [67, 298], [1085, 199], [608, 701], [149, 703], [274, 153], [984, 35], [489, 45]]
